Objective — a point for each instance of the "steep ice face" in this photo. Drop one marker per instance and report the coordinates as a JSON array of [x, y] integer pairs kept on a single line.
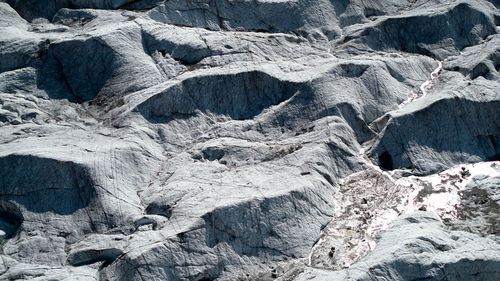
[[249, 140]]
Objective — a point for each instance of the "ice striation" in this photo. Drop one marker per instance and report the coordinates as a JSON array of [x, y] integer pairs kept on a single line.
[[249, 140]]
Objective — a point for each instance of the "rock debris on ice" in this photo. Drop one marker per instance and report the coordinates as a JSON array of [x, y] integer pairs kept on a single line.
[[249, 140]]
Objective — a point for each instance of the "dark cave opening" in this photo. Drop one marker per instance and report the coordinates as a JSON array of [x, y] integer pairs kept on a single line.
[[495, 157], [385, 161]]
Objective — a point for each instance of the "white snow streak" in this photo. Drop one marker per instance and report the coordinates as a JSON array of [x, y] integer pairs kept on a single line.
[[424, 87]]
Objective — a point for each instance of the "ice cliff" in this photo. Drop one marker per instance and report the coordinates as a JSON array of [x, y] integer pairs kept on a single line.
[[249, 140]]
